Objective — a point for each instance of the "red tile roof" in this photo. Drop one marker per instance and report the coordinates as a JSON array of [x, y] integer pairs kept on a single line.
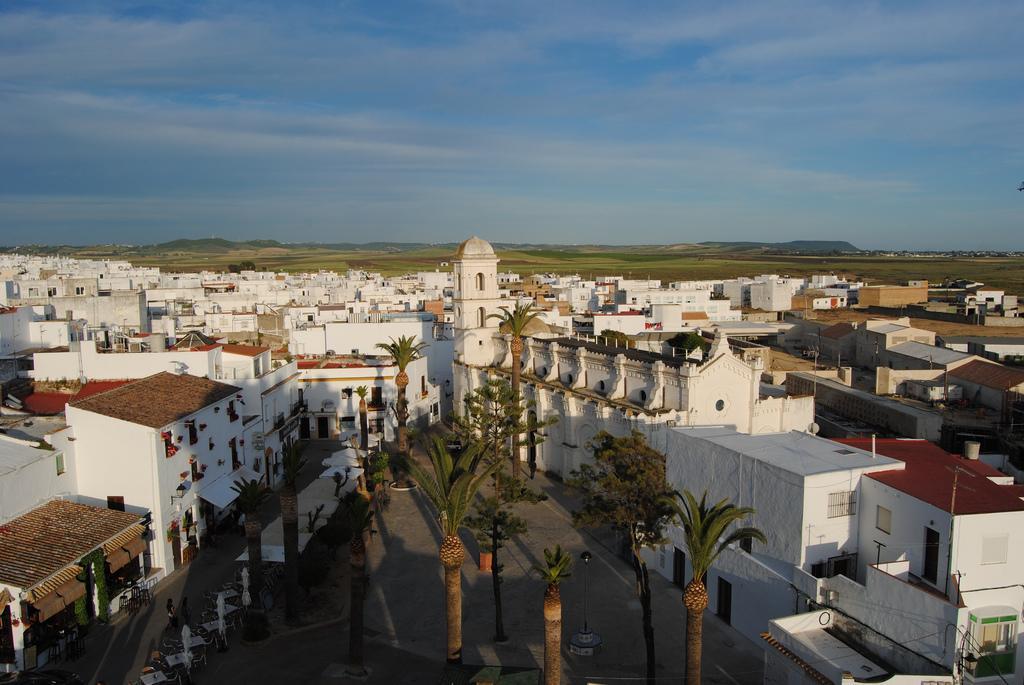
[[96, 387], [157, 400], [989, 375], [929, 477], [45, 403], [49, 538], [247, 350]]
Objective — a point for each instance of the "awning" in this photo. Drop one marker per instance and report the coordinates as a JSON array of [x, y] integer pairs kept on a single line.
[[220, 492], [131, 549], [55, 602]]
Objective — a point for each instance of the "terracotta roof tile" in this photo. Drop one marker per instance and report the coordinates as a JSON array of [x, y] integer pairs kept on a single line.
[[989, 375], [50, 538], [157, 400], [247, 350]]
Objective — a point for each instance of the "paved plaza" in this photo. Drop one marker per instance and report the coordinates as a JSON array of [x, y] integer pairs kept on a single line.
[[405, 612]]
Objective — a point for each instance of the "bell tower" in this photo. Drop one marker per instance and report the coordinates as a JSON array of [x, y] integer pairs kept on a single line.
[[476, 297]]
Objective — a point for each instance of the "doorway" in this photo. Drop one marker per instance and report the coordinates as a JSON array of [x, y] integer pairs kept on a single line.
[[304, 428], [724, 610], [679, 567], [322, 428], [931, 555]]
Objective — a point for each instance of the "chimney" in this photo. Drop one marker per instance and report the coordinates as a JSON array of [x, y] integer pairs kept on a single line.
[[972, 450]]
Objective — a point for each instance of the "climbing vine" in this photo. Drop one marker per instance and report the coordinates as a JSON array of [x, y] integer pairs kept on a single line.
[[96, 560]]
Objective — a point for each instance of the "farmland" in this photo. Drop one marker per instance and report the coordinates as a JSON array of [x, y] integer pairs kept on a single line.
[[673, 262]]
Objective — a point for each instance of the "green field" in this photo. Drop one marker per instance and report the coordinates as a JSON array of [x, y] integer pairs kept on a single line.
[[676, 262]]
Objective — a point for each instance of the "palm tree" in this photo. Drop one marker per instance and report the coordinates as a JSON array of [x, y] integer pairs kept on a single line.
[[514, 322], [403, 351], [555, 569], [364, 420], [451, 485], [705, 532], [251, 494], [360, 522], [293, 463]]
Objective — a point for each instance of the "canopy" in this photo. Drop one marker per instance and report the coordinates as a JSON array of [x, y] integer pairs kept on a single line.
[[130, 550], [65, 595], [220, 492], [341, 461]]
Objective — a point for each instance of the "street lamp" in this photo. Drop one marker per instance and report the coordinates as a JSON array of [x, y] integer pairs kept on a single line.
[[585, 642]]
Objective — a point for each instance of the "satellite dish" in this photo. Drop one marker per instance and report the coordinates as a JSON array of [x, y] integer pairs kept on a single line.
[[813, 429]]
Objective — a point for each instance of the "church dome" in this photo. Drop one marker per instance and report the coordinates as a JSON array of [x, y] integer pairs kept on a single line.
[[474, 247]]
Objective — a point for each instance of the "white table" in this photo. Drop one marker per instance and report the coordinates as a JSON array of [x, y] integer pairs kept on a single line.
[[210, 627], [178, 659], [228, 594], [196, 641], [153, 678]]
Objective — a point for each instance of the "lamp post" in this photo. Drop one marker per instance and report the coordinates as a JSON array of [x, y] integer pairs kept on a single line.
[[585, 642]]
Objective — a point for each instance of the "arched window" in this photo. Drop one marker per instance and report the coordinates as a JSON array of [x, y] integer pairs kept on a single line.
[[480, 281], [600, 386], [643, 395], [481, 317]]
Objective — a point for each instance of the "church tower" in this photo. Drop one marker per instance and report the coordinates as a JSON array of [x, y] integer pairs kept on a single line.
[[476, 297]]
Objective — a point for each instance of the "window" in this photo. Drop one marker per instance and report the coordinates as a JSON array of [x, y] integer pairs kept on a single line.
[[993, 550], [600, 385], [720, 405], [51, 292], [480, 281], [996, 638], [115, 502], [643, 395], [79, 290], [747, 545], [33, 292], [59, 461], [842, 504], [481, 317], [883, 519]]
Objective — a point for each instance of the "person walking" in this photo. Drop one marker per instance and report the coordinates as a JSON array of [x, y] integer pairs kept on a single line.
[[185, 612], [172, 617]]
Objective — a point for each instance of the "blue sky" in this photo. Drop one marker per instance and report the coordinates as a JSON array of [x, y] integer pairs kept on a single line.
[[888, 125]]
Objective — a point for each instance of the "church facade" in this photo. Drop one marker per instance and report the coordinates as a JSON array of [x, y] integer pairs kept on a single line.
[[588, 387]]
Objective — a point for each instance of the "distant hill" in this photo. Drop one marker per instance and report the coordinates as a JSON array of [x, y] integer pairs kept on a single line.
[[209, 247], [814, 246]]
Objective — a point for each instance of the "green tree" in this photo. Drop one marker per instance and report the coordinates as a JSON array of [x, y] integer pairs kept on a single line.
[[403, 352], [707, 535], [625, 488], [251, 495], [616, 338], [288, 496], [451, 484], [689, 342], [492, 416], [555, 569], [514, 322], [247, 265], [360, 521]]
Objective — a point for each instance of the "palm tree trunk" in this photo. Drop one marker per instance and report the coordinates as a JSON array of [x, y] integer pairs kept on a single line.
[[357, 591], [402, 415], [643, 588], [452, 556], [517, 360], [290, 523], [695, 599], [499, 623], [552, 636], [364, 426], [253, 536]]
